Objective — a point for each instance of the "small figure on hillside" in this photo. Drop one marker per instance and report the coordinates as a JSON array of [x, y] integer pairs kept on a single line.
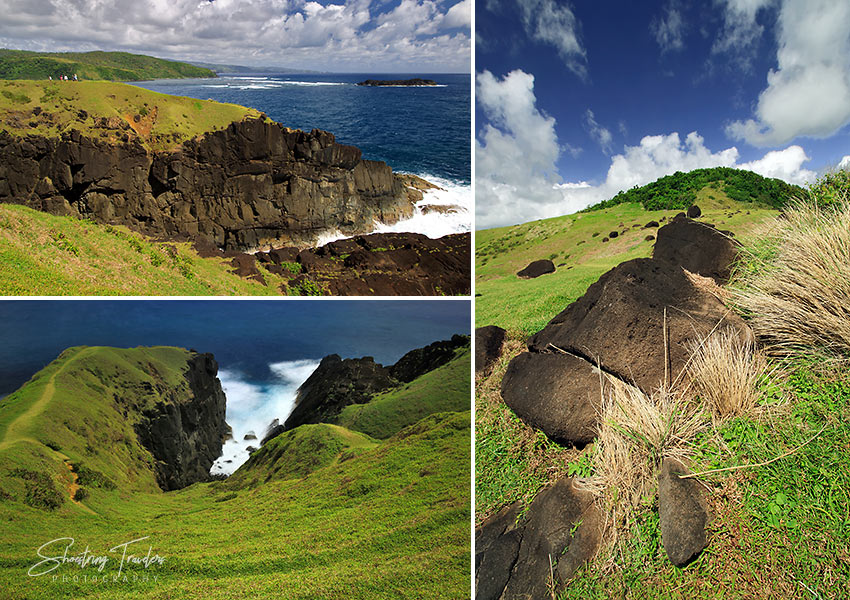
[[75, 77], [50, 77]]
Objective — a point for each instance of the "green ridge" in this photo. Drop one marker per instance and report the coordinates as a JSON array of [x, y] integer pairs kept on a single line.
[[110, 66], [443, 389]]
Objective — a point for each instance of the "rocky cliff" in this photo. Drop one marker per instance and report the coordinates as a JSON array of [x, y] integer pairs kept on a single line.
[[253, 184], [185, 434]]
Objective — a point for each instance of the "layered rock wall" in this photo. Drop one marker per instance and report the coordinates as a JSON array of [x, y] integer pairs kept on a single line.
[[254, 184]]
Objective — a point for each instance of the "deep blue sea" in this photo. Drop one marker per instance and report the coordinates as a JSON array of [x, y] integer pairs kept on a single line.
[[422, 130], [265, 348]]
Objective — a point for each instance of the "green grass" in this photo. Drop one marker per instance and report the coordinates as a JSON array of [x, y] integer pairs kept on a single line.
[[366, 520], [443, 389], [112, 66], [299, 452], [524, 306], [43, 254], [164, 121]]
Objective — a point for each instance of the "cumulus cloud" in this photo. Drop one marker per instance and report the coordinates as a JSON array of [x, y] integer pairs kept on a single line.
[[554, 23], [808, 94], [669, 29], [517, 151], [600, 134], [416, 35]]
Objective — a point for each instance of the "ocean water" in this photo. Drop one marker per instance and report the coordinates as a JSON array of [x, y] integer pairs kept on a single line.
[[265, 348], [419, 130]]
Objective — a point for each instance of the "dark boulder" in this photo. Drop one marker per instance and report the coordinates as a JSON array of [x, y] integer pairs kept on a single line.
[[683, 514], [536, 269], [422, 360], [557, 393], [561, 531], [649, 238], [613, 234], [488, 347], [605, 239], [697, 247], [245, 266], [620, 322], [651, 224], [694, 212]]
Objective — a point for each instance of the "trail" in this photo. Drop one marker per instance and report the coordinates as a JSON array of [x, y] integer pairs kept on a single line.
[[14, 432]]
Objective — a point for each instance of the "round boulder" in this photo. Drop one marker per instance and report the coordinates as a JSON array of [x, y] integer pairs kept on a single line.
[[537, 268]]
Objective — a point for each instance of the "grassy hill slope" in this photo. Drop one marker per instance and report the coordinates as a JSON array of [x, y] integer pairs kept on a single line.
[[110, 66], [356, 519], [574, 243], [112, 110], [443, 389]]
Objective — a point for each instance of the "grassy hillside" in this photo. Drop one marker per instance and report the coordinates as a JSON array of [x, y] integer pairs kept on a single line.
[[443, 389], [46, 254], [109, 66], [379, 520], [574, 243], [159, 121]]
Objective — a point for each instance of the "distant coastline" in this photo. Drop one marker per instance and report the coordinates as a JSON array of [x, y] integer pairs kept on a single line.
[[416, 82]]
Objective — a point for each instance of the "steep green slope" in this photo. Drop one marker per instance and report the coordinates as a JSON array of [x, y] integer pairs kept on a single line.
[[43, 254], [355, 519], [443, 389], [111, 66], [574, 244], [110, 111]]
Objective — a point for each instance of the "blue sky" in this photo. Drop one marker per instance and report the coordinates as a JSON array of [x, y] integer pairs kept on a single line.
[[577, 100], [392, 36]]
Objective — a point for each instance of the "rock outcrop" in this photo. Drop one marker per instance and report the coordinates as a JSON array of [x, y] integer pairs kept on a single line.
[[335, 384], [185, 435], [488, 347], [421, 360], [682, 512], [560, 531], [382, 264], [253, 184], [698, 247]]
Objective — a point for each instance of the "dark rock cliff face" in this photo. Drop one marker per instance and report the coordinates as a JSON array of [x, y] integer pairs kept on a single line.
[[335, 384], [185, 435], [254, 184], [420, 361]]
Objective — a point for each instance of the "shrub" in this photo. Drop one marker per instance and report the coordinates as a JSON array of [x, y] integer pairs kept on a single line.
[[81, 494], [92, 478], [40, 488]]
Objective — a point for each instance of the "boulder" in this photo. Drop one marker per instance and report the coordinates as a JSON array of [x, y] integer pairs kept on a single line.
[[683, 513], [694, 212], [613, 234], [537, 268], [620, 322], [556, 393], [697, 247], [651, 224], [561, 531], [488, 347]]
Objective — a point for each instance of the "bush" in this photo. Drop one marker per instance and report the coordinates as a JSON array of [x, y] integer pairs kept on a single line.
[[81, 494], [92, 478], [41, 490]]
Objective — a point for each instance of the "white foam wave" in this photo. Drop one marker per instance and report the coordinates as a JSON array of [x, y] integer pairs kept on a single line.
[[251, 407], [456, 197]]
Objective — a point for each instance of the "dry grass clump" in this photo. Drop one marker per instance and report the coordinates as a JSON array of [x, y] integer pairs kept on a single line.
[[636, 432], [726, 371], [797, 294]]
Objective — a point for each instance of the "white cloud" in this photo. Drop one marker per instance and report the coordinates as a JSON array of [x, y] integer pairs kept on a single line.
[[669, 30], [600, 134], [554, 23], [809, 92], [357, 35], [741, 31], [517, 152]]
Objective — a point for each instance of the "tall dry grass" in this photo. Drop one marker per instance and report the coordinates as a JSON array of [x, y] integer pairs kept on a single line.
[[726, 371], [636, 432], [797, 293]]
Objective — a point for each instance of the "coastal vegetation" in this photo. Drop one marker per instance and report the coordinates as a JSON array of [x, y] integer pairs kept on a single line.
[[108, 66], [319, 511]]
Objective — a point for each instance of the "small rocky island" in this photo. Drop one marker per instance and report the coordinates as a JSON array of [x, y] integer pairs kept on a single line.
[[395, 82]]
